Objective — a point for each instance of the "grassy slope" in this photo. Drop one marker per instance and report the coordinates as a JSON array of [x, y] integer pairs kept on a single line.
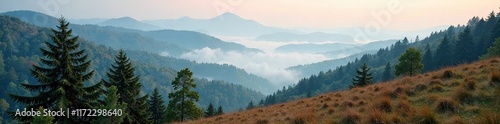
[[463, 94]]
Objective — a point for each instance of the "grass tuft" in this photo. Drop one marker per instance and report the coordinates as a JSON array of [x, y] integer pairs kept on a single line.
[[488, 118], [462, 95], [495, 78], [444, 105], [426, 116], [447, 74], [351, 117]]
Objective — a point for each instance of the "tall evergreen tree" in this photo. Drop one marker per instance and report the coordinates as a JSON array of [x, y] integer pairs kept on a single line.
[[442, 57], [463, 52], [428, 59], [181, 105], [121, 75], [219, 111], [387, 75], [409, 63], [111, 103], [210, 111], [250, 105], [157, 108], [363, 77], [42, 119], [493, 51], [61, 80]]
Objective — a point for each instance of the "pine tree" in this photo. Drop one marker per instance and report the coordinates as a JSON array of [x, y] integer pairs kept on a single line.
[[219, 111], [428, 59], [442, 57], [363, 77], [210, 111], [387, 75], [250, 105], [181, 105], [409, 63], [111, 103], [121, 75], [157, 108], [61, 80], [42, 119], [463, 51]]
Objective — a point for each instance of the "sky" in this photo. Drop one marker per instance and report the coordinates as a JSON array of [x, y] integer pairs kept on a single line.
[[326, 14]]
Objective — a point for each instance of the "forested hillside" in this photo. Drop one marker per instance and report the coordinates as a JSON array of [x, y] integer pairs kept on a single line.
[[20, 45], [456, 45]]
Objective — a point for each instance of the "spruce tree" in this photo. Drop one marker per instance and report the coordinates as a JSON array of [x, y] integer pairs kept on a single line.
[[428, 59], [42, 119], [181, 105], [442, 57], [210, 111], [121, 75], [363, 77], [463, 51], [493, 51], [250, 105], [61, 78], [409, 63], [387, 75], [111, 103], [157, 108], [219, 111]]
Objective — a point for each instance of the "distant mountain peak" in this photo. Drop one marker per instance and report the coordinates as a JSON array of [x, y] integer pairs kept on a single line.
[[229, 16], [126, 18]]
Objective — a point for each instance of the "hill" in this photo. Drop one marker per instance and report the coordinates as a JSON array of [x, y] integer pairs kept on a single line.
[[20, 43], [464, 94], [226, 24], [130, 23], [311, 37]]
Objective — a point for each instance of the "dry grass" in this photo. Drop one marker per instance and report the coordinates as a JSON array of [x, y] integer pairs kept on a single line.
[[454, 95]]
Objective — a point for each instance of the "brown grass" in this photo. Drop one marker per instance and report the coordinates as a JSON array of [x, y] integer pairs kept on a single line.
[[453, 95]]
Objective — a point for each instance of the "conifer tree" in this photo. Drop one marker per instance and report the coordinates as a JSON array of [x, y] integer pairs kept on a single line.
[[61, 78], [363, 77], [493, 51], [387, 75], [210, 111], [409, 63], [121, 75], [463, 51], [42, 119], [442, 57], [111, 103], [181, 105], [428, 59], [250, 105], [219, 111], [157, 108]]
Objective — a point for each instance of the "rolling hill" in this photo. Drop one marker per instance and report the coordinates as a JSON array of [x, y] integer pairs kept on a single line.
[[310, 37], [464, 94], [130, 23]]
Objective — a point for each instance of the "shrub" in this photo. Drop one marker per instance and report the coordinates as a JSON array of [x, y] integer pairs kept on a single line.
[[488, 118], [495, 78], [463, 95], [446, 105], [383, 104], [426, 116], [350, 117]]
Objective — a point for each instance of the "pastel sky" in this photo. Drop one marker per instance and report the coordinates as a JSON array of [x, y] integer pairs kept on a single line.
[[411, 14]]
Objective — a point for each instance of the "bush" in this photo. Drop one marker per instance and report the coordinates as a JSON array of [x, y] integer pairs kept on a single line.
[[446, 105], [463, 96], [426, 116]]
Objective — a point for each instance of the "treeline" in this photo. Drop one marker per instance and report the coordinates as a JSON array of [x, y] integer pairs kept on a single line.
[[456, 45], [20, 45]]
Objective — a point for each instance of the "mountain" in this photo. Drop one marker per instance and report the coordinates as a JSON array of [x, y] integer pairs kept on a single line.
[[20, 49], [334, 50], [91, 21], [128, 22], [165, 42], [227, 24], [462, 94], [310, 37]]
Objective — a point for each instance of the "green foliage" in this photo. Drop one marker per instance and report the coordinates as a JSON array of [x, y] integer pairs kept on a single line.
[[111, 103], [181, 105], [363, 77], [443, 53], [157, 108], [464, 48], [428, 59], [494, 50], [387, 75], [409, 63], [61, 80], [42, 119], [250, 105], [121, 75], [210, 111]]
